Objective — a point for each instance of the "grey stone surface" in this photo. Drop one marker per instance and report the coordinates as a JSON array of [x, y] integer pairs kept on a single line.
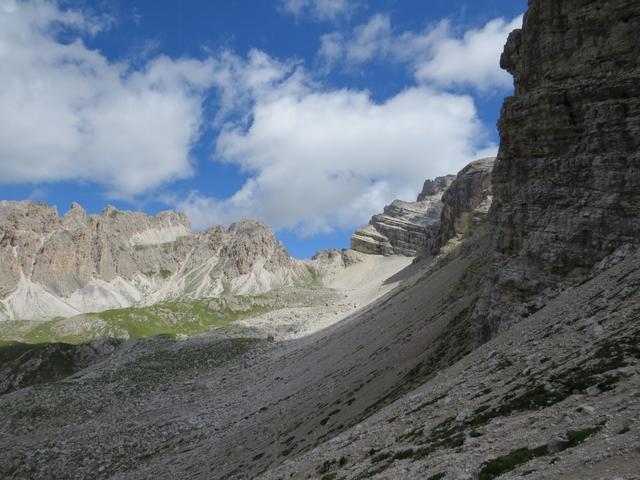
[[467, 198], [566, 182], [404, 228]]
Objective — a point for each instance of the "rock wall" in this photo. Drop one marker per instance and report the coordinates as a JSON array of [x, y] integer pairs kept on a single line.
[[566, 182], [468, 197], [405, 228], [51, 266]]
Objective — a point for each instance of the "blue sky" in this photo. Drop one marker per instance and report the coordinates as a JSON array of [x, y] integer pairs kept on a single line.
[[308, 114]]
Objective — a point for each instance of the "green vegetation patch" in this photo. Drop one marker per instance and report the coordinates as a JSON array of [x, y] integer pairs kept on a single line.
[[498, 466], [178, 317], [314, 277]]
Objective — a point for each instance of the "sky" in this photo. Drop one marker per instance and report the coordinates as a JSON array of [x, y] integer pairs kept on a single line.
[[310, 115]]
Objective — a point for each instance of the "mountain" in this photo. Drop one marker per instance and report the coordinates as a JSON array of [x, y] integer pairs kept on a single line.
[[467, 200], [567, 178], [444, 209], [509, 351], [61, 266], [405, 228]]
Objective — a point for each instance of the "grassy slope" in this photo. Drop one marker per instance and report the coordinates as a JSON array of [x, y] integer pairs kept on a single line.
[[178, 317]]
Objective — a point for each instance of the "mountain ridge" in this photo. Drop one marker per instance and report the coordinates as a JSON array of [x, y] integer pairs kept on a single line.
[[508, 351], [61, 266]]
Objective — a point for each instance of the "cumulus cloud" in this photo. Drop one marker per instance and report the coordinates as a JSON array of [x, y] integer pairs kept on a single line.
[[440, 55], [68, 113], [322, 159], [315, 158], [319, 10]]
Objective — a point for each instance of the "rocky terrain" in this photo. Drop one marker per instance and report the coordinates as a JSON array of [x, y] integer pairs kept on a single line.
[[555, 398], [508, 349], [567, 178], [405, 228], [466, 201], [54, 266]]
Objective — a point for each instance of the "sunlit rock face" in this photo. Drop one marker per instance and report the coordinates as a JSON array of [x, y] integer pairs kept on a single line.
[[566, 182], [61, 266], [467, 199], [405, 228]]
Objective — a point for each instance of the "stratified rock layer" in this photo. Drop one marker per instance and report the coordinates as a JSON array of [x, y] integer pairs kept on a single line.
[[51, 266], [405, 228], [567, 178]]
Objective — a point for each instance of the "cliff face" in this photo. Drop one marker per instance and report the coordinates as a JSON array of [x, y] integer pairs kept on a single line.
[[566, 182], [52, 266], [468, 197], [405, 228]]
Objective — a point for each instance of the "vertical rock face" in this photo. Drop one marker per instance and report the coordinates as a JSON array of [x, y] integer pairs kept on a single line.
[[566, 182], [468, 196], [405, 228]]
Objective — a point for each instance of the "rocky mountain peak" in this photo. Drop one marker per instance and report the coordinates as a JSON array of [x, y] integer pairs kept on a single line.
[[249, 225], [52, 266], [27, 215], [404, 228], [76, 217], [435, 186]]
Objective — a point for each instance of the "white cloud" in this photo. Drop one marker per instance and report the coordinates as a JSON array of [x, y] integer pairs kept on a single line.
[[370, 39], [320, 10], [320, 159], [239, 81], [67, 113], [330, 49], [472, 60], [440, 56], [316, 159]]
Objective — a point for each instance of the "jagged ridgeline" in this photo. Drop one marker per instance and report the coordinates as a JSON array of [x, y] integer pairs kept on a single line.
[[53, 266], [508, 349], [444, 209]]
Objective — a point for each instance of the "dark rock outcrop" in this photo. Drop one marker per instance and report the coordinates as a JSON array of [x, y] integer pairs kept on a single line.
[[23, 365], [566, 182]]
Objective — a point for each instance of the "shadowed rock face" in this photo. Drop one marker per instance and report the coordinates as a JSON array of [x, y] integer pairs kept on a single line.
[[405, 228], [566, 182]]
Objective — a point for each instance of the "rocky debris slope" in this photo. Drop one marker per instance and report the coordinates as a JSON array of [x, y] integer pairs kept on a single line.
[[399, 389], [366, 398], [405, 228], [558, 397], [22, 365], [566, 182], [230, 403], [61, 266]]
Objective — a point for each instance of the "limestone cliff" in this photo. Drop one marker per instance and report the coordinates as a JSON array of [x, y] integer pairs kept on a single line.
[[405, 228], [468, 198], [566, 182], [52, 266]]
